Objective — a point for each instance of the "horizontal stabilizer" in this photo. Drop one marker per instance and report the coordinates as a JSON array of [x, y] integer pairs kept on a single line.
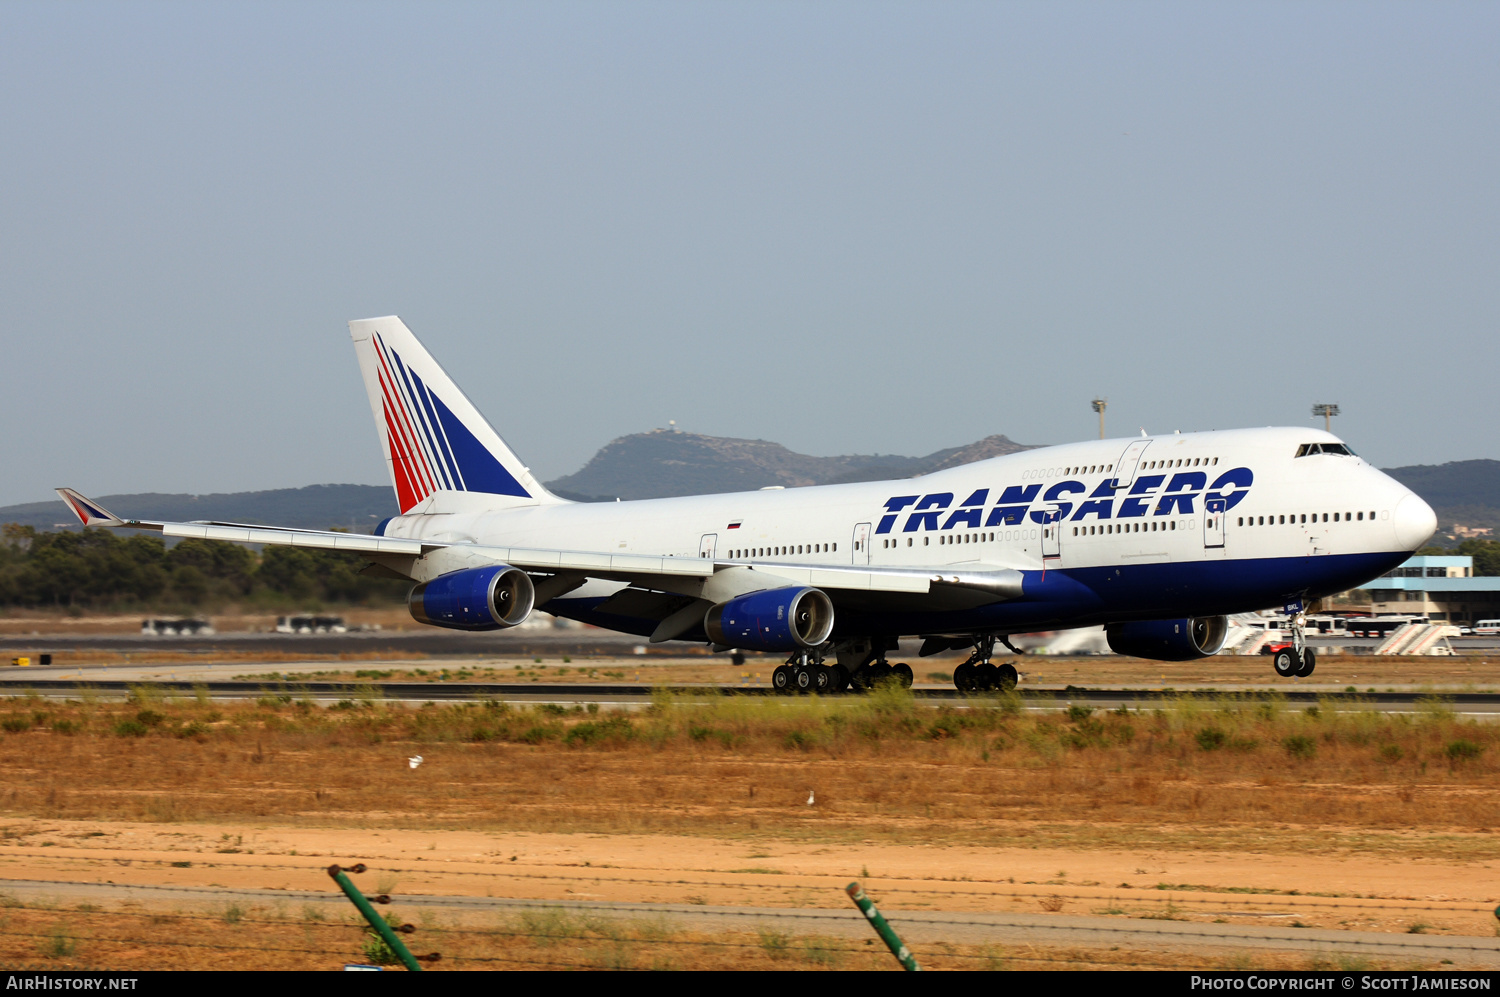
[[89, 512]]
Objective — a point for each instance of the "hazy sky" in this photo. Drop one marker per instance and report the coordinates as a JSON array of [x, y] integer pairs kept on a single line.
[[844, 227]]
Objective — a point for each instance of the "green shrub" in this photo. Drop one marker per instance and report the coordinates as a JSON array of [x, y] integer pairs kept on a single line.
[[130, 728], [1211, 738], [1300, 746], [1462, 751]]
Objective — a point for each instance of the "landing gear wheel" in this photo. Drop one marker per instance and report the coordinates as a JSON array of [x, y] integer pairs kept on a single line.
[[839, 680], [963, 677], [986, 677], [822, 679], [737, 658], [802, 679], [903, 674], [1285, 663], [860, 680], [781, 680], [880, 671], [1008, 677], [1309, 662]]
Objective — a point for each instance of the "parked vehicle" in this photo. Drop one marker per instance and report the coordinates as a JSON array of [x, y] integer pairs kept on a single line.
[[311, 625], [174, 627]]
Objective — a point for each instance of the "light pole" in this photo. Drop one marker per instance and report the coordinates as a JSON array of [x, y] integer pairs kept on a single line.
[[1327, 411], [1099, 404]]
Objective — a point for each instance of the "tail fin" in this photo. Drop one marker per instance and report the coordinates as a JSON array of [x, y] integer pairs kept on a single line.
[[443, 455]]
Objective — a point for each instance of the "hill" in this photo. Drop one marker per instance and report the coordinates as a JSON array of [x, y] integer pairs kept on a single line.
[[663, 463], [315, 507], [1463, 492]]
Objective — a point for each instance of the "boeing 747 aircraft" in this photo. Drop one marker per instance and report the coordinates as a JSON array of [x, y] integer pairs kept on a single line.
[[1156, 539]]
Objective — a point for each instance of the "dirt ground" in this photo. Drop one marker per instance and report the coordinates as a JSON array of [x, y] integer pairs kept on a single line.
[[1389, 895]]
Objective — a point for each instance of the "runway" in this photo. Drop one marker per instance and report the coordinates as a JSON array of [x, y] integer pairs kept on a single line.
[[629, 695]]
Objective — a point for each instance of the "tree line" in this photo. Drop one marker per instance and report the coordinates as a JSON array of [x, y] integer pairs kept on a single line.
[[103, 569]]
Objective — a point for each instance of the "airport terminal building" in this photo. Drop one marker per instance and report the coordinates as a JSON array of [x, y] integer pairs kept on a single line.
[[1442, 588]]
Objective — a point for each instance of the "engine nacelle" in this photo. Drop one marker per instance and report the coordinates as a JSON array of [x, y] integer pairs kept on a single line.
[[1169, 640], [783, 619], [489, 598]]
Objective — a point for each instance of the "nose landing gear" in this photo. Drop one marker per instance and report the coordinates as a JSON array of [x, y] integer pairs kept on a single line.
[[1296, 659]]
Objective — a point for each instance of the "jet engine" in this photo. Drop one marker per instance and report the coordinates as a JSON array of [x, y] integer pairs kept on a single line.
[[489, 598], [1169, 640], [783, 619]]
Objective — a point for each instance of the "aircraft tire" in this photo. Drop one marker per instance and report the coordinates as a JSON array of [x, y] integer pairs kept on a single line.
[[1285, 663], [841, 680], [1008, 677], [963, 677], [1309, 662], [904, 673], [781, 680], [802, 680], [822, 679], [860, 680], [986, 677]]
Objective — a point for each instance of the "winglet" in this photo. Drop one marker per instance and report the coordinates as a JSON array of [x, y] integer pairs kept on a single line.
[[89, 512]]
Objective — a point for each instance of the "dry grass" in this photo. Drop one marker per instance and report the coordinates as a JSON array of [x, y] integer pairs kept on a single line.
[[1228, 774], [276, 938]]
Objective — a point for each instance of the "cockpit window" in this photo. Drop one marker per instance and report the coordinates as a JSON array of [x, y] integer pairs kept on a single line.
[[1338, 449]]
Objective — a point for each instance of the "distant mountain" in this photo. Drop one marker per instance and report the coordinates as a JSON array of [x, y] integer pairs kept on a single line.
[[663, 463], [316, 507], [1464, 492]]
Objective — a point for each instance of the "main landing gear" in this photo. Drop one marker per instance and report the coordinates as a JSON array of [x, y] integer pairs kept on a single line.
[[979, 674], [1296, 660], [805, 672]]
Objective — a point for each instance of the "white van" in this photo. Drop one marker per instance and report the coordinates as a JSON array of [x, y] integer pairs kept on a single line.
[[1487, 628]]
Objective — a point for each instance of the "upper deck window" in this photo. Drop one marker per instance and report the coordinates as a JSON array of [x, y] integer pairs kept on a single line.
[[1330, 448]]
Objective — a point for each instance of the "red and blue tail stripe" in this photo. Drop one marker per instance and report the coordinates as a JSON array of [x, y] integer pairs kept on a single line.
[[431, 449]]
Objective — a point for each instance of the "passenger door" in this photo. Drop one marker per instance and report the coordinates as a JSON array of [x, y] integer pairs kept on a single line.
[[860, 554], [1213, 524], [1051, 536], [1128, 462], [707, 544]]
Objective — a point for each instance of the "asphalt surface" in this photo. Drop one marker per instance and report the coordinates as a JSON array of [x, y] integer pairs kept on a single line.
[[34, 681], [432, 641]]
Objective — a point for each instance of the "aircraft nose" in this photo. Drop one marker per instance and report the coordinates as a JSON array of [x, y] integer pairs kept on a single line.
[[1415, 522]]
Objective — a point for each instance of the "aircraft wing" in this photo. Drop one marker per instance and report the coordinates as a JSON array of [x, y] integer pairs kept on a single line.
[[424, 559]]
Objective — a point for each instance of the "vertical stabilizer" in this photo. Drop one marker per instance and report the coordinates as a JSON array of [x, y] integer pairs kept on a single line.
[[442, 454]]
